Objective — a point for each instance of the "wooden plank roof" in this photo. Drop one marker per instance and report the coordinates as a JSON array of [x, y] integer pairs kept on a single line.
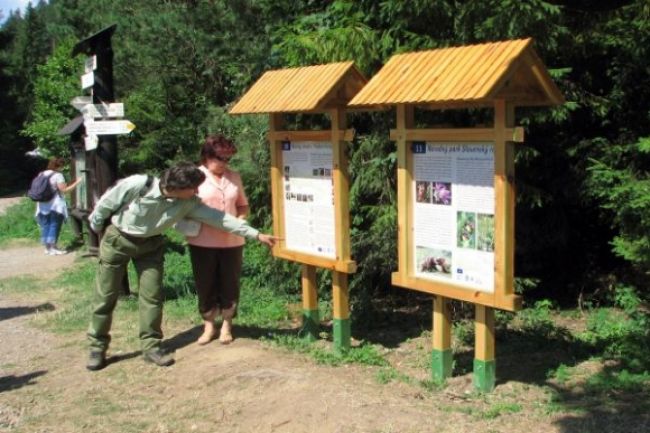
[[303, 89], [466, 76]]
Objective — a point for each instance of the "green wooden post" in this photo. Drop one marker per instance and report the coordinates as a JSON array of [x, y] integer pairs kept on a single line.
[[441, 355], [310, 317], [341, 311], [484, 360]]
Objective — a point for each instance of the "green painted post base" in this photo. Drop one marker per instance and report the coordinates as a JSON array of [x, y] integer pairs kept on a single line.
[[310, 325], [342, 334], [484, 375], [441, 362]]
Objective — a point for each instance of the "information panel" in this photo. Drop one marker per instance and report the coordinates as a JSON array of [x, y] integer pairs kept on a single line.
[[453, 213], [308, 197]]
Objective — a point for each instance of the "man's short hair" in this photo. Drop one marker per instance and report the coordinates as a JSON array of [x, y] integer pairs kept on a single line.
[[183, 175]]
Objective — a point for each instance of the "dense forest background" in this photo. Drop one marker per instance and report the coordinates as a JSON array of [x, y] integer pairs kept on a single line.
[[583, 203]]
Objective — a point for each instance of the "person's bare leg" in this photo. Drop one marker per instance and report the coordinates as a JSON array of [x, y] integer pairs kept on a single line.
[[225, 336], [209, 330]]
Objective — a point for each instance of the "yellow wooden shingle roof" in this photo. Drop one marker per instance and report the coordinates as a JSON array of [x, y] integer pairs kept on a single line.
[[463, 76], [302, 89]]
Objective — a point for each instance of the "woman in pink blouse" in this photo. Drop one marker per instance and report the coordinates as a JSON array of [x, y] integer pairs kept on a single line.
[[217, 255]]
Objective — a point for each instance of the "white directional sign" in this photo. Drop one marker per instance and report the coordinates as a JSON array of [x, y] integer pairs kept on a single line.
[[104, 110], [90, 142], [87, 80], [90, 64], [79, 102], [109, 127]]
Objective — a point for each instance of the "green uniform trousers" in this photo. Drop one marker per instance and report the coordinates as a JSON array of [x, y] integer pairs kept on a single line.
[[115, 252]]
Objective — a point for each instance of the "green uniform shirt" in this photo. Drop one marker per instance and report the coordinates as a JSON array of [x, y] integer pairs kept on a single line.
[[152, 213]]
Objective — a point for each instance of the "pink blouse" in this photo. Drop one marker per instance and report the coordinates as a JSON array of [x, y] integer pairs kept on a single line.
[[225, 194]]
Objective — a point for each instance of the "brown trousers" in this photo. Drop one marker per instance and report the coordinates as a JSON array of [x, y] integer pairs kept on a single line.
[[216, 274]]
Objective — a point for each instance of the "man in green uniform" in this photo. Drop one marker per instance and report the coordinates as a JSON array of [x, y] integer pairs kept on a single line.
[[139, 209]]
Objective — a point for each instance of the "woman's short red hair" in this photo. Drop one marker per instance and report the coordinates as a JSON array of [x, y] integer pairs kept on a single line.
[[217, 145], [55, 163]]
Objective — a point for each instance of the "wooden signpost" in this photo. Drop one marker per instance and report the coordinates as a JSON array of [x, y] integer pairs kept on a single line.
[[108, 127], [79, 102], [456, 189], [103, 110], [87, 80], [309, 179]]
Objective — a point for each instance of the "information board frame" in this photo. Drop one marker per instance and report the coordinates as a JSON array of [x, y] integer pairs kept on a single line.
[[320, 89], [338, 139], [503, 136], [495, 75]]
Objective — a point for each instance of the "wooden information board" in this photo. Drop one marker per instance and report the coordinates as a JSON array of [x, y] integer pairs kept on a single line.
[[455, 186], [309, 180]]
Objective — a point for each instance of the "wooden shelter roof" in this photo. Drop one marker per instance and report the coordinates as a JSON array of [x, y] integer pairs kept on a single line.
[[466, 76], [303, 89]]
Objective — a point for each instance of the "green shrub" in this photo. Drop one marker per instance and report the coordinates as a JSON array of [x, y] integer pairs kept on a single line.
[[621, 333], [19, 223]]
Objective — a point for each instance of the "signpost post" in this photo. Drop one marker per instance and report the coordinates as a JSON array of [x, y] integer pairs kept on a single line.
[[99, 65], [100, 141]]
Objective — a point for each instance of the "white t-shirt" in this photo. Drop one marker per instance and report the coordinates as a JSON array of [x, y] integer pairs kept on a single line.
[[57, 203]]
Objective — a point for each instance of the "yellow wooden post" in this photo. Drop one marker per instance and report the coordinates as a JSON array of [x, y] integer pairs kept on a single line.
[[404, 179], [340, 294], [310, 315], [504, 209], [484, 360], [275, 124], [341, 185], [441, 356], [341, 310]]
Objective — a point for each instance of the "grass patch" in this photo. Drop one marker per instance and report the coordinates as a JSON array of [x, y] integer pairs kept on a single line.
[[26, 284], [500, 408], [390, 374], [260, 307], [18, 223], [562, 374], [77, 287], [493, 411], [365, 354], [622, 380]]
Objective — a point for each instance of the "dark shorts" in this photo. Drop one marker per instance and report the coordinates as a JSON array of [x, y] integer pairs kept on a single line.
[[216, 274]]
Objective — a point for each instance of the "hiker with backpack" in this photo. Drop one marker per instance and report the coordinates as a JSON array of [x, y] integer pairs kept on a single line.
[[47, 191], [133, 215]]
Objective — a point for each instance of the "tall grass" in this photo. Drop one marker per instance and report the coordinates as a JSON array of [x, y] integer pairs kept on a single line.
[[260, 305], [19, 223]]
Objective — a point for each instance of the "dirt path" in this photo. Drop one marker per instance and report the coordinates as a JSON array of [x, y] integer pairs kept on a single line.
[[29, 260], [247, 386], [243, 387], [6, 202]]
